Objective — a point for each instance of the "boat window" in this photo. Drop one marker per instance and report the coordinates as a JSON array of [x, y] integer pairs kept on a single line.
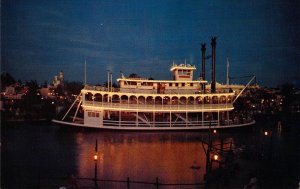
[[183, 84], [176, 84], [170, 84], [184, 72], [93, 114], [191, 84], [132, 83]]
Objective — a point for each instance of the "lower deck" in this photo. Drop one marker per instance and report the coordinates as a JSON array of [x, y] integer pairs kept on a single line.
[[178, 116], [111, 118]]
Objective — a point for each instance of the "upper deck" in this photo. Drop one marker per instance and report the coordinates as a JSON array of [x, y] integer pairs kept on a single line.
[[153, 92], [182, 82], [114, 99], [182, 85]]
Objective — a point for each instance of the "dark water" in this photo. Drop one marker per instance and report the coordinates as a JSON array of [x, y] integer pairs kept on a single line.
[[43, 155]]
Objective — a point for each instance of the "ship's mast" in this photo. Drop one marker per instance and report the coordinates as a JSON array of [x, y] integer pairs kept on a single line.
[[84, 72], [227, 76], [108, 78]]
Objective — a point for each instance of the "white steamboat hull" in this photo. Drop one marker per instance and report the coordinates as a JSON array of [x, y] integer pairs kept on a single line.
[[137, 128]]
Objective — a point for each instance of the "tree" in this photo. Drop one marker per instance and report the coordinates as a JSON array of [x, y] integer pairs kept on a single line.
[[6, 80], [45, 84], [115, 85], [73, 87], [32, 96], [59, 90], [133, 75], [287, 90], [32, 86]]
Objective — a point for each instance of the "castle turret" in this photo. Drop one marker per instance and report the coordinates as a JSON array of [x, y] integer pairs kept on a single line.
[[61, 76], [59, 79]]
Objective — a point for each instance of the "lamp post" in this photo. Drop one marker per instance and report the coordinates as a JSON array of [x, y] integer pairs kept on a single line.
[[209, 146], [215, 157], [268, 134], [218, 158], [96, 165]]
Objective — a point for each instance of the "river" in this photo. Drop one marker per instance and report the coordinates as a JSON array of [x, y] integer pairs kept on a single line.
[[44, 155]]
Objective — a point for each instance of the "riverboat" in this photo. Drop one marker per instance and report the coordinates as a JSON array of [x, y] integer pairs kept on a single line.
[[147, 104]]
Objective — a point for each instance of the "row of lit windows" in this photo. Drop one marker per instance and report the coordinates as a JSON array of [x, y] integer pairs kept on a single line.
[[180, 85], [170, 84], [93, 114], [135, 83], [184, 72]]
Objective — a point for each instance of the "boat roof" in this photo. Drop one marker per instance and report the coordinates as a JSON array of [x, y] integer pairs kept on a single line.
[[159, 81], [182, 67]]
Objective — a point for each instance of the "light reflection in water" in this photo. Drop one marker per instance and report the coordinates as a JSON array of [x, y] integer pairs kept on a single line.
[[172, 157]]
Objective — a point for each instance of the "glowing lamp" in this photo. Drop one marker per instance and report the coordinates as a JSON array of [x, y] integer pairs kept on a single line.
[[215, 131], [266, 133], [95, 157], [215, 157]]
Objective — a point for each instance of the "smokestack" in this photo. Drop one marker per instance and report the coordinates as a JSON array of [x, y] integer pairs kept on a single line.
[[203, 64], [213, 67], [203, 60]]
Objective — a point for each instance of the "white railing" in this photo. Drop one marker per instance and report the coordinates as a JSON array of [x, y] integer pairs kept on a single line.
[[159, 124], [159, 107], [135, 90], [167, 124]]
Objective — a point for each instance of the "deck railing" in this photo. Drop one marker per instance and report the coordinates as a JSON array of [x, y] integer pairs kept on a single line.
[[160, 107], [181, 124], [92, 183], [180, 91]]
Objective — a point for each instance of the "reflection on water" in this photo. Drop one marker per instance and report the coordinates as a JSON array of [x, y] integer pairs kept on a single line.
[[172, 157], [49, 151], [142, 157]]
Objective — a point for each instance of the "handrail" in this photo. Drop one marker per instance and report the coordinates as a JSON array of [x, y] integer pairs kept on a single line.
[[154, 91], [185, 107], [86, 182]]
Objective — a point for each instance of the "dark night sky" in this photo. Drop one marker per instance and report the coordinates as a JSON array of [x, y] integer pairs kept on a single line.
[[41, 37]]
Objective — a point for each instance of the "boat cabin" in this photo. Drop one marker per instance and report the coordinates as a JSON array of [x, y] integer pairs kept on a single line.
[[182, 82], [182, 72]]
